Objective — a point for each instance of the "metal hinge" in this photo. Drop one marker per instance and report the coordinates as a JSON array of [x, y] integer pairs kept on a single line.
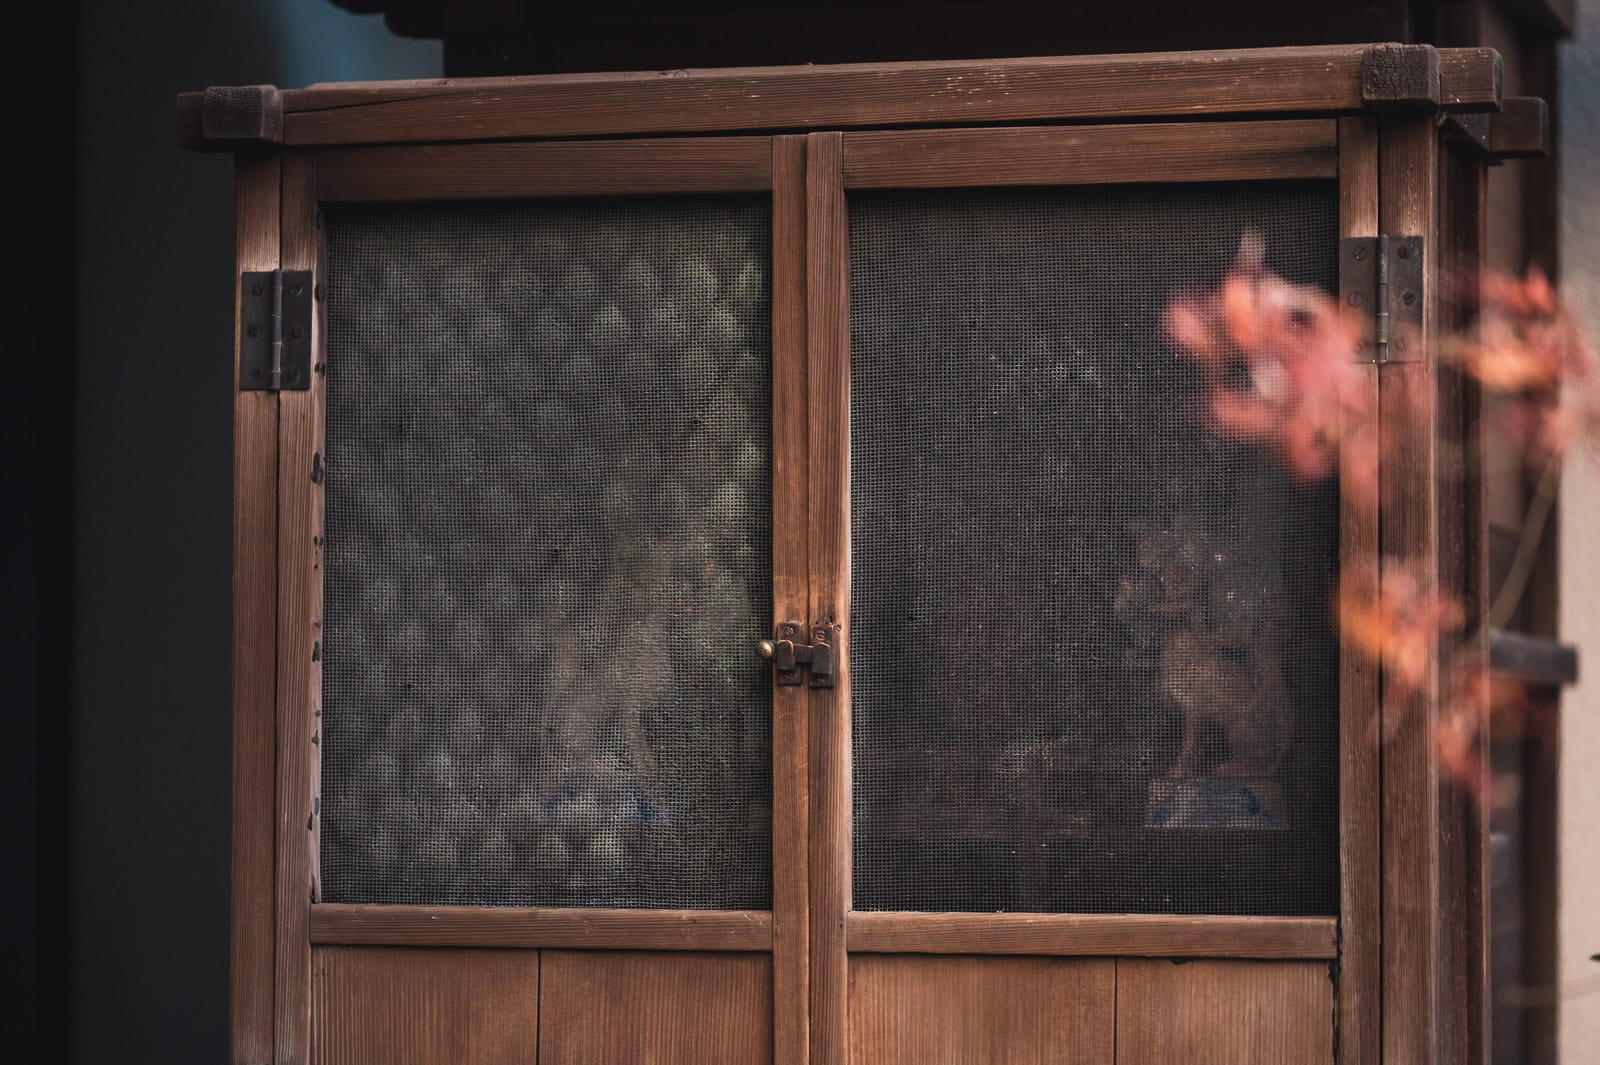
[[275, 330], [788, 656], [1381, 277]]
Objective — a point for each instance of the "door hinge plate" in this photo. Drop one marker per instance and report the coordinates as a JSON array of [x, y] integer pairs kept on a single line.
[[275, 308], [1381, 279]]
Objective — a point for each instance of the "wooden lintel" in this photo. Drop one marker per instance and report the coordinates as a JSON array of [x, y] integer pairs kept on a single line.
[[1261, 81]]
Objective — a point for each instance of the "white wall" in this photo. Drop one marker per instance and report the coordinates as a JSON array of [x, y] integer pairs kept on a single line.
[[1579, 932], [153, 495]]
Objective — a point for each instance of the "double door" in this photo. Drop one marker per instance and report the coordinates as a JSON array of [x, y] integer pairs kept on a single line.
[[1074, 772]]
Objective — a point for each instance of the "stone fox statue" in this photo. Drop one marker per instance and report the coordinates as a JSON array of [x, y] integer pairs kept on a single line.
[[1215, 647]]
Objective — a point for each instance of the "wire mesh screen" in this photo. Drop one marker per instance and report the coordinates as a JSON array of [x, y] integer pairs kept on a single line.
[[548, 554], [1091, 659]]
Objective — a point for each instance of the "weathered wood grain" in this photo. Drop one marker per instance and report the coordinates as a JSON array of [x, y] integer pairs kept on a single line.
[[918, 1010], [394, 1006], [1224, 1013], [299, 652], [791, 584], [508, 926], [1360, 710], [630, 1009], [1412, 921], [1137, 935], [502, 171], [255, 630], [1245, 81], [828, 387], [1222, 151]]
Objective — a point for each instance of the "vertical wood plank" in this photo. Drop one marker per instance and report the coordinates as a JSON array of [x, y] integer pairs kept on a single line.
[[401, 1006], [255, 627], [828, 385], [930, 1010], [299, 695], [1360, 719], [606, 1008], [1223, 1013], [1414, 1029], [791, 785]]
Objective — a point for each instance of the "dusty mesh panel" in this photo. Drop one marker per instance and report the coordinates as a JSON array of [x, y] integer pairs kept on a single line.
[[1056, 565], [548, 555]]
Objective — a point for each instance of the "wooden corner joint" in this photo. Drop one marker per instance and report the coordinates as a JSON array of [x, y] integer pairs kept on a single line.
[[1400, 75], [226, 116], [1520, 129]]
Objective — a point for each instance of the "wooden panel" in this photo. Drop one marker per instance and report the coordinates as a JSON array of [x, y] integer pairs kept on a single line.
[[1223, 151], [1043, 934], [644, 1009], [1360, 715], [791, 583], [299, 649], [828, 388], [387, 1006], [478, 171], [255, 626], [929, 1010], [1245, 81], [1412, 926], [506, 926], [1224, 1013]]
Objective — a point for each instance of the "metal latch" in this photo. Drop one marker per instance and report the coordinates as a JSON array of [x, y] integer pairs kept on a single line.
[[788, 655], [1381, 278], [275, 330]]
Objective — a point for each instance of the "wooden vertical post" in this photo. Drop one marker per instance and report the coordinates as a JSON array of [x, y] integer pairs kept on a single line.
[[791, 583], [299, 697], [1360, 716], [827, 297], [255, 623], [1426, 938]]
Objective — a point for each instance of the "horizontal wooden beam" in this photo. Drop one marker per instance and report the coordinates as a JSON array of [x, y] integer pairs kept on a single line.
[[1103, 935], [1521, 129], [559, 168], [1326, 79], [1536, 659], [579, 929], [228, 117], [1068, 155]]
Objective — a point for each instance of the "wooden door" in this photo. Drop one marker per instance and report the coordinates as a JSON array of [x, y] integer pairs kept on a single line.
[[536, 796], [981, 303]]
